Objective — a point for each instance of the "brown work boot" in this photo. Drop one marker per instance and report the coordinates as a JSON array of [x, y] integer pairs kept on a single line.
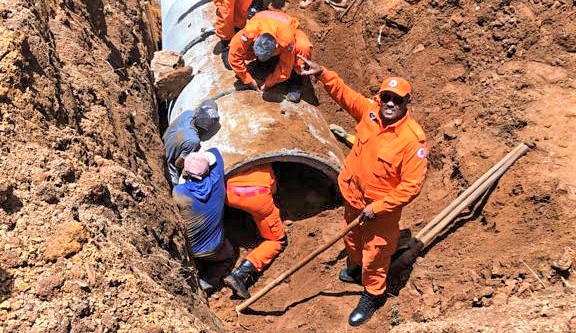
[[241, 278]]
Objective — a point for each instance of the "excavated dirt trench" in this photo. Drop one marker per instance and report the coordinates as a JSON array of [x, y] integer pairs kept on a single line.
[[486, 76], [89, 238]]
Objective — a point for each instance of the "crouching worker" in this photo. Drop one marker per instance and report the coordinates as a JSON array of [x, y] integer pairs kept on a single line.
[[183, 135], [271, 34], [200, 196], [252, 192]]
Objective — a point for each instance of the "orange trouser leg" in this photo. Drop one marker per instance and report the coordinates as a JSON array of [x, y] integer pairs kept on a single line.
[[224, 24], [372, 245], [302, 47], [230, 14], [267, 218]]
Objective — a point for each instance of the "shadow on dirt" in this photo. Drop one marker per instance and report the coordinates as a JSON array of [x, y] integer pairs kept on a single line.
[[278, 313], [5, 285], [410, 248]]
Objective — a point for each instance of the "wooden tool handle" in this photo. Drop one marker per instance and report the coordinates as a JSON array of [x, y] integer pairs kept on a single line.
[[296, 267]]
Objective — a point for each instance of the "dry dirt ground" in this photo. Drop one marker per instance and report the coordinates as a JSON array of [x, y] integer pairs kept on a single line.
[[487, 75], [88, 236]]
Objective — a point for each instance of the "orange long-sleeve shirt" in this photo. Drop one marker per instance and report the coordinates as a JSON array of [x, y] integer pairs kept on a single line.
[[387, 164], [282, 27]]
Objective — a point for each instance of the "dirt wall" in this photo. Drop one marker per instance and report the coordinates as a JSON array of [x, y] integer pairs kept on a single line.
[[88, 234]]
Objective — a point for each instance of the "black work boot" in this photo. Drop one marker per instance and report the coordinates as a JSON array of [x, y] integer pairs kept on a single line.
[[294, 96], [224, 54], [241, 278], [351, 274], [294, 93], [365, 309]]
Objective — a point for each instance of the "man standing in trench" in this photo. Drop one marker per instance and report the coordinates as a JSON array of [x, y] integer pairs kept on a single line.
[[200, 197], [231, 16], [383, 172]]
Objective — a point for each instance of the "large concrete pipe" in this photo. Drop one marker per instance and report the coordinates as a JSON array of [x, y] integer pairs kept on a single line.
[[253, 131]]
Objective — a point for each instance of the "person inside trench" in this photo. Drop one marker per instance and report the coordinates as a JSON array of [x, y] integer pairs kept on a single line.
[[252, 192]]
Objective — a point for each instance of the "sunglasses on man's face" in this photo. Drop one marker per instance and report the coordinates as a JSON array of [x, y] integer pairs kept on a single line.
[[387, 97]]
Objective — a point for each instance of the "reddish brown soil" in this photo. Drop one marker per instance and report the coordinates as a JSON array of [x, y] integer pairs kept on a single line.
[[487, 75], [88, 234]]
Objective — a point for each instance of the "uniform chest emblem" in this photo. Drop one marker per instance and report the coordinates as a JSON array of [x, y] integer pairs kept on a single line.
[[421, 153], [373, 117], [244, 38]]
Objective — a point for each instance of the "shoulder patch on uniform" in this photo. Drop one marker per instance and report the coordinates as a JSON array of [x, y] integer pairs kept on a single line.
[[373, 117], [421, 152], [244, 38], [417, 130]]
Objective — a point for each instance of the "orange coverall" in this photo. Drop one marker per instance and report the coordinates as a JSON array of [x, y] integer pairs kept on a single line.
[[385, 167], [289, 39], [251, 192], [230, 14]]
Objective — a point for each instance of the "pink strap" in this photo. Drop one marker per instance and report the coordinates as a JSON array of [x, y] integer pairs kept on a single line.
[[249, 191]]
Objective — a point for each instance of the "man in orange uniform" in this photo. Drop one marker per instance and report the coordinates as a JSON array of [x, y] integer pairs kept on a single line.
[[231, 16], [383, 172], [252, 191], [269, 34]]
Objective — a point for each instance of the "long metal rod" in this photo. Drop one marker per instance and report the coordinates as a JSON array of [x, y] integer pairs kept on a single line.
[[468, 191], [296, 267], [448, 219]]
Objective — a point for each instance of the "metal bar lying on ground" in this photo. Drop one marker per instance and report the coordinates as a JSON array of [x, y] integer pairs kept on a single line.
[[296, 267], [346, 10], [469, 191], [430, 235]]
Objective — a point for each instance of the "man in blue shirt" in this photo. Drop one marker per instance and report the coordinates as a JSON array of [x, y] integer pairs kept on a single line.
[[200, 196], [183, 135]]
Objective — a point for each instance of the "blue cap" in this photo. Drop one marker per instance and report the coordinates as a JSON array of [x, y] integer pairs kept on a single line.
[[264, 47]]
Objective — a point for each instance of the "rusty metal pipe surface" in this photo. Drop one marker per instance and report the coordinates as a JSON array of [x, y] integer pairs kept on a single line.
[[252, 130]]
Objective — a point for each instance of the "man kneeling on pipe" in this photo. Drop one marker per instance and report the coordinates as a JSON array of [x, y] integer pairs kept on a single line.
[[252, 192], [267, 35], [383, 172], [200, 197]]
